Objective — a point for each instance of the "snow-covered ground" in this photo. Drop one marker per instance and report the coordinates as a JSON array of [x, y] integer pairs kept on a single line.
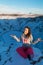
[[8, 54]]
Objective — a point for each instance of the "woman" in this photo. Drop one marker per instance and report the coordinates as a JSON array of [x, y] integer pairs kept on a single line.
[[26, 50]]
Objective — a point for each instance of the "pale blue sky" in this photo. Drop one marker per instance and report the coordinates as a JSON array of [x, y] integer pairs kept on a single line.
[[21, 6]]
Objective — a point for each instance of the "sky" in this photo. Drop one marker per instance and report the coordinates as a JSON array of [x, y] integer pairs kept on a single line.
[[21, 6]]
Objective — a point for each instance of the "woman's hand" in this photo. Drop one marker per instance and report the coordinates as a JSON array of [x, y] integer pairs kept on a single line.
[[39, 39], [15, 37]]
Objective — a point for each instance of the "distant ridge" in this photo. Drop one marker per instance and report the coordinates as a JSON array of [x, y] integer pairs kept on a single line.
[[13, 16]]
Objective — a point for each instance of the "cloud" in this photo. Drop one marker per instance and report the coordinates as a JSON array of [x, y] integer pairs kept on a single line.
[[31, 10], [9, 9]]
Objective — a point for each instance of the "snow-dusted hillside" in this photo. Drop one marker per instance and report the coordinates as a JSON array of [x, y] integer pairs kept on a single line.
[[8, 54]]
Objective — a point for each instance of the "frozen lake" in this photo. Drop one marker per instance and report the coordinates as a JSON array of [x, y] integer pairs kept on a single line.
[[8, 54]]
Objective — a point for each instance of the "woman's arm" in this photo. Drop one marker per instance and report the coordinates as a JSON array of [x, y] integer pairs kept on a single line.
[[16, 38], [38, 40]]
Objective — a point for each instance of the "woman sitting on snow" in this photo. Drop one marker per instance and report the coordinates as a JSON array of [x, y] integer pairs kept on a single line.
[[26, 50]]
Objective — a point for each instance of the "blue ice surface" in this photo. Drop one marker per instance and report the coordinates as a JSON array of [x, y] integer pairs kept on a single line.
[[8, 45]]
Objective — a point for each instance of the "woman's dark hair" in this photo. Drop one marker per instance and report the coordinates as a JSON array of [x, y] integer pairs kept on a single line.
[[28, 35]]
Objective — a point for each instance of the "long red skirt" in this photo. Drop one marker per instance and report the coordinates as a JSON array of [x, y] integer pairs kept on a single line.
[[24, 52]]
